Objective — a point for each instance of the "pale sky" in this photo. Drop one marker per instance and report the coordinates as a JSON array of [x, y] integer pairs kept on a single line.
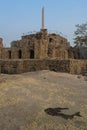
[[23, 16]]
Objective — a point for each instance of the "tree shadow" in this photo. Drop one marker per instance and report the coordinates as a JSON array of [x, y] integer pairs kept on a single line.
[[58, 112]]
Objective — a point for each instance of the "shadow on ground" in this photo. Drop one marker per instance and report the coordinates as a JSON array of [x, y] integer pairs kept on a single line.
[[58, 112]]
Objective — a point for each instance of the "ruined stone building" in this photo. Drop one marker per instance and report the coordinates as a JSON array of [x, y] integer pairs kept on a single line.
[[40, 46], [47, 51]]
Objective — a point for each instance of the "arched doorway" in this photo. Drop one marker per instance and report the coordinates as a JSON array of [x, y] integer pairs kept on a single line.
[[19, 54], [31, 54], [9, 54]]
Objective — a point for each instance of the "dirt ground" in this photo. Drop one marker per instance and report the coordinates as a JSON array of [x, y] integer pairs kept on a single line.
[[25, 98]]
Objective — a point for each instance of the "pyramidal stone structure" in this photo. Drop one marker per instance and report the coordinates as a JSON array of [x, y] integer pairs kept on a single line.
[[39, 51]]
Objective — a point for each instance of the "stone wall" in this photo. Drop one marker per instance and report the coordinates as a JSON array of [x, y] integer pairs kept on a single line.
[[15, 53], [0, 66], [41, 49], [38, 50], [40, 46], [1, 46], [78, 66], [21, 66]]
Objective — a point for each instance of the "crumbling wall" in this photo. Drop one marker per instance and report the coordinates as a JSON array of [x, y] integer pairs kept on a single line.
[[62, 53], [15, 53], [57, 40], [57, 52], [78, 66], [21, 66], [40, 46], [41, 49], [0, 66], [1, 46]]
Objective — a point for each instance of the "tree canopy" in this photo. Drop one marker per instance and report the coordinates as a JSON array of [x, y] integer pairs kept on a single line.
[[81, 35]]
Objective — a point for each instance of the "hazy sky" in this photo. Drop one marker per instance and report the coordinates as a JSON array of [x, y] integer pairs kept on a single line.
[[22, 16]]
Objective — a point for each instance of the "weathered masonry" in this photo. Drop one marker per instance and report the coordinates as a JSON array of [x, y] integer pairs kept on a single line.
[[22, 66], [40, 46]]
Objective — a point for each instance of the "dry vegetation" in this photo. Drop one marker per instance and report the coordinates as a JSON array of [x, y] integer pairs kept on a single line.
[[23, 99]]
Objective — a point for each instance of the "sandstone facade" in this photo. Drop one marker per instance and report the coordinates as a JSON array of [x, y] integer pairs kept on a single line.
[[38, 52], [40, 46]]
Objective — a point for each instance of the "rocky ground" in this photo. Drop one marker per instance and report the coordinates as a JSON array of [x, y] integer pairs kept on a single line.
[[36, 101]]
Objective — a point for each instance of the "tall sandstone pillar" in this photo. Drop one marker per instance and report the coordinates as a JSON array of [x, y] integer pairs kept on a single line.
[[43, 18]]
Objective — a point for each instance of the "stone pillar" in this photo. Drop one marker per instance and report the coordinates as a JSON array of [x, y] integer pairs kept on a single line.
[[43, 18]]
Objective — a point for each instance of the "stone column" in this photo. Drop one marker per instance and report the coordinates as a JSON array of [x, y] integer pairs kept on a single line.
[[43, 18]]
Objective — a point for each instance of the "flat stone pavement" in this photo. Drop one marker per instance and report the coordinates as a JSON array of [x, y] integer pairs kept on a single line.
[[25, 98]]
